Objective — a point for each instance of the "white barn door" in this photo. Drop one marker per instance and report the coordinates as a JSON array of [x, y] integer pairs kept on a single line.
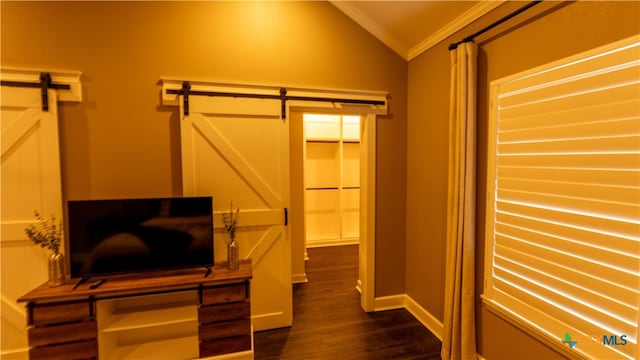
[[237, 151], [30, 181]]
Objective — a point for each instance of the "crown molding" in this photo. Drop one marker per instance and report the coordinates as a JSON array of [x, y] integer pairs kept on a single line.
[[372, 27], [459, 23]]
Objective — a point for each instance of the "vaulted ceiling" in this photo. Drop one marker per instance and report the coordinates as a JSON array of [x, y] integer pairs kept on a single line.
[[411, 27]]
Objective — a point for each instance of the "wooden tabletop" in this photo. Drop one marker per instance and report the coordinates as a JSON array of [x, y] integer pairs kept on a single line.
[[146, 282]]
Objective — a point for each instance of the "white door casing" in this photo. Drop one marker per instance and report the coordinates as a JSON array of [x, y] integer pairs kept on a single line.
[[366, 250], [237, 149], [30, 172]]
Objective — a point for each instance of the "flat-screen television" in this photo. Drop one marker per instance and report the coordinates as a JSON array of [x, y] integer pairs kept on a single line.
[[136, 235]]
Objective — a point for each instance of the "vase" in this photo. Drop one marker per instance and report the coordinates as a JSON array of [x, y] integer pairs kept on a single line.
[[56, 269], [232, 255]]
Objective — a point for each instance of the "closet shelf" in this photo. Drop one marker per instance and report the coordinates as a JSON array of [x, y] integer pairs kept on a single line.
[[332, 141], [323, 141], [333, 188]]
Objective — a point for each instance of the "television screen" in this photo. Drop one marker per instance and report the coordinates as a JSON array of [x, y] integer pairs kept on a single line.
[[133, 235]]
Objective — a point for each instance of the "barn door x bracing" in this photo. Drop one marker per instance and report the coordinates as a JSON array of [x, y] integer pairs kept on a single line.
[[236, 149], [30, 167]]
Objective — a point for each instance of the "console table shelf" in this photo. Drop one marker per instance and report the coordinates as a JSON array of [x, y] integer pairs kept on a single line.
[[122, 321], [143, 314], [163, 349]]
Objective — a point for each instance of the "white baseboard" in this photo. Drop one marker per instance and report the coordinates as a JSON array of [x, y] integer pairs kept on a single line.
[[269, 321], [14, 354], [404, 301], [299, 278], [389, 302], [426, 318]]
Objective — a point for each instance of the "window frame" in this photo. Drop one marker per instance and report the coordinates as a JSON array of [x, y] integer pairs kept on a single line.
[[502, 309]]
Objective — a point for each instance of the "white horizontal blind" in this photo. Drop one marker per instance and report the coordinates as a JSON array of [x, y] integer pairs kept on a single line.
[[563, 217]]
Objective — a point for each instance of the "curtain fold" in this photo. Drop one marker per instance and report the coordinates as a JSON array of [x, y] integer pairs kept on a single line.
[[459, 338]]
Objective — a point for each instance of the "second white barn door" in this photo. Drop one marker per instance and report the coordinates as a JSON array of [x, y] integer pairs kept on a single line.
[[31, 181], [237, 151]]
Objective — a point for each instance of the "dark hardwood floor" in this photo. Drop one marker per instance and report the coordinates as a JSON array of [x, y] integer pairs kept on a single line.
[[328, 322]]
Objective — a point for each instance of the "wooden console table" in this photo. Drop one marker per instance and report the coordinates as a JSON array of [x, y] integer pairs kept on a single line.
[[189, 314]]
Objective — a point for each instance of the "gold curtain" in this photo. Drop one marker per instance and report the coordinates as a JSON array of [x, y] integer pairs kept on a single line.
[[459, 338]]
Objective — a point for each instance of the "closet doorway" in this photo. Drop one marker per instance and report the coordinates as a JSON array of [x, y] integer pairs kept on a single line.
[[331, 179], [333, 195]]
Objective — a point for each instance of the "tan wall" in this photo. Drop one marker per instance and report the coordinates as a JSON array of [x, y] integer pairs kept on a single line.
[[552, 31], [121, 142]]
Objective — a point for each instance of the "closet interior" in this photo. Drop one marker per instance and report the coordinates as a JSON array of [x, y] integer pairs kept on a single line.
[[332, 179]]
